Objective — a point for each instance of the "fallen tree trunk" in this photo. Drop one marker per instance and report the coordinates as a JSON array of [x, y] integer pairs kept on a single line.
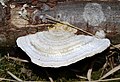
[[10, 33], [16, 27]]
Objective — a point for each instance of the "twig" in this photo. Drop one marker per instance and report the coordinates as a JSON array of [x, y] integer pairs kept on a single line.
[[118, 46], [51, 80], [110, 72], [17, 59], [38, 25], [55, 20], [105, 80], [115, 47], [111, 54], [2, 58], [36, 81], [16, 78], [3, 79], [81, 77], [113, 79], [104, 67]]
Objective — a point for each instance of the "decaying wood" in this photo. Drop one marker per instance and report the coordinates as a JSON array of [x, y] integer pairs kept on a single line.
[[17, 27]]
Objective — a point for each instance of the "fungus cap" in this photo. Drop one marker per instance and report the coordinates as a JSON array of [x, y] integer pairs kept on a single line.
[[57, 48]]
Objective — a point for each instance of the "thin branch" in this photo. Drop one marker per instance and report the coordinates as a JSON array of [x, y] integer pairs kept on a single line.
[[17, 59], [113, 79], [16, 78], [3, 79], [36, 81], [104, 67], [110, 72], [38, 25], [105, 80], [51, 80], [55, 20], [10, 80], [2, 58], [81, 77], [117, 46], [111, 54]]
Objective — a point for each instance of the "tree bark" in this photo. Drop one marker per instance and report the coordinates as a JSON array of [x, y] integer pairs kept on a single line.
[[11, 30]]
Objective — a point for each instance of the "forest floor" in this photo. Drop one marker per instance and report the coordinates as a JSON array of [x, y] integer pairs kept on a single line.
[[15, 65]]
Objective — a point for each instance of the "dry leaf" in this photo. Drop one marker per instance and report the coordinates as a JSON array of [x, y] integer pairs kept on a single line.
[[89, 74], [51, 80], [81, 77]]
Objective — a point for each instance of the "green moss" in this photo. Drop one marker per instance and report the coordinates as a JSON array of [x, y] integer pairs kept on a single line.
[[96, 75]]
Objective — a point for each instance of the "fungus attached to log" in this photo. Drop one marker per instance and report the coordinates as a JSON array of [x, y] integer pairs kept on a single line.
[[60, 47]]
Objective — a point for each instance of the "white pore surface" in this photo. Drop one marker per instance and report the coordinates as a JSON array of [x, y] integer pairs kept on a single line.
[[93, 14], [60, 48]]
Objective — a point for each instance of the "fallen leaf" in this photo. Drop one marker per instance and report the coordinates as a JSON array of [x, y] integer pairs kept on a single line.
[[89, 74]]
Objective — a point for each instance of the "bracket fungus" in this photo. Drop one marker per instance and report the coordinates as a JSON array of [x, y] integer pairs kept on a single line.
[[60, 46]]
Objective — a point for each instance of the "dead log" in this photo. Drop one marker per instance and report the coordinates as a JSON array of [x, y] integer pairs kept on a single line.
[[17, 27]]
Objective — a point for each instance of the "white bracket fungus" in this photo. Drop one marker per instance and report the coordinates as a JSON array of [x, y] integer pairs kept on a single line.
[[60, 47]]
